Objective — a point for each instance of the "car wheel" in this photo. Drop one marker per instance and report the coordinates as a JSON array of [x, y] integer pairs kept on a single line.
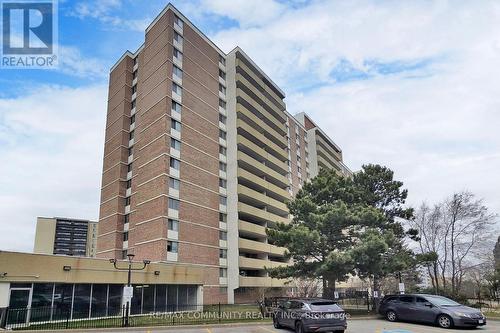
[[299, 327], [391, 316], [445, 321], [276, 323]]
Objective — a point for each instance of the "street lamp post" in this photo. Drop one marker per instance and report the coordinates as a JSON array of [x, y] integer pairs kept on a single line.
[[130, 257]]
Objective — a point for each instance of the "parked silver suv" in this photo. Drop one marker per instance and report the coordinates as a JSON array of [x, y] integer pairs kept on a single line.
[[430, 309], [310, 315]]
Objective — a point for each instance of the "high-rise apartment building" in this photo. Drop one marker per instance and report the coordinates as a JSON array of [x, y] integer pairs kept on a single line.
[[66, 236], [324, 152], [200, 157]]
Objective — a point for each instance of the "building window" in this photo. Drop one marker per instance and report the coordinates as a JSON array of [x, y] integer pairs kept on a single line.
[[222, 166], [129, 183], [222, 89], [222, 60], [132, 105], [177, 71], [222, 103], [130, 151], [174, 183], [172, 246], [175, 163], [222, 183], [223, 150], [127, 201], [125, 236], [223, 235], [134, 75], [176, 89], [173, 225], [129, 167], [222, 200], [222, 75], [223, 217], [134, 89], [299, 170], [298, 159], [222, 118], [223, 253], [173, 203], [131, 135], [124, 254], [177, 54], [132, 119], [126, 219], [176, 125], [176, 107], [176, 144], [177, 37], [223, 272], [222, 134], [178, 21]]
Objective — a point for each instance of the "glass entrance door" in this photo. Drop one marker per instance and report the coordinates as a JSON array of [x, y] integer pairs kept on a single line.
[[18, 306]]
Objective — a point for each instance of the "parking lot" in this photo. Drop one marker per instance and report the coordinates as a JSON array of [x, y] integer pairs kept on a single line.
[[354, 326]]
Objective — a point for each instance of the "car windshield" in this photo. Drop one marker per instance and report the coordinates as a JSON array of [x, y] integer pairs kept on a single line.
[[441, 301]]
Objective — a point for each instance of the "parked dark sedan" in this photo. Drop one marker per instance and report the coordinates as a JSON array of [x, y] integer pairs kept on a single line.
[[310, 315], [430, 309]]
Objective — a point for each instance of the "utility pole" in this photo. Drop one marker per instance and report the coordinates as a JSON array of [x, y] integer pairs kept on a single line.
[[130, 257]]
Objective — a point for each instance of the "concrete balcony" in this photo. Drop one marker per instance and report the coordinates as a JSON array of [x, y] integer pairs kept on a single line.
[[259, 198], [279, 125], [257, 281], [251, 229], [277, 113], [271, 161], [251, 263], [249, 72], [261, 170], [260, 214], [279, 152], [277, 137], [260, 247], [328, 146], [263, 184]]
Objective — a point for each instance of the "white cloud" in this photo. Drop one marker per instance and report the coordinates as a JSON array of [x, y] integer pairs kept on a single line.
[[51, 142], [73, 62], [247, 13], [105, 11]]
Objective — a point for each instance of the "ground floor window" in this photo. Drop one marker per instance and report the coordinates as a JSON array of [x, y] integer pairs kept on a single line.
[[58, 301]]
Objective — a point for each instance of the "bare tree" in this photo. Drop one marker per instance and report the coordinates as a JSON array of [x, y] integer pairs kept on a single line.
[[428, 223], [307, 288], [458, 230]]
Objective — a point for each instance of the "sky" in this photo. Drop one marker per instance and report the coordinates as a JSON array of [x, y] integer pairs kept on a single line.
[[413, 85]]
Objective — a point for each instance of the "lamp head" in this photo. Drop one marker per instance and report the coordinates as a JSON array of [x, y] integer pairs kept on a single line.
[[146, 262], [130, 256], [112, 261]]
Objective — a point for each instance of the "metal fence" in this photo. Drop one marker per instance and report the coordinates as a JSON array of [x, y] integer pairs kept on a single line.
[[54, 318]]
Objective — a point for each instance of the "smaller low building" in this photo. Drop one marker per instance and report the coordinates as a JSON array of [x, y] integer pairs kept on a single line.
[[90, 287]]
